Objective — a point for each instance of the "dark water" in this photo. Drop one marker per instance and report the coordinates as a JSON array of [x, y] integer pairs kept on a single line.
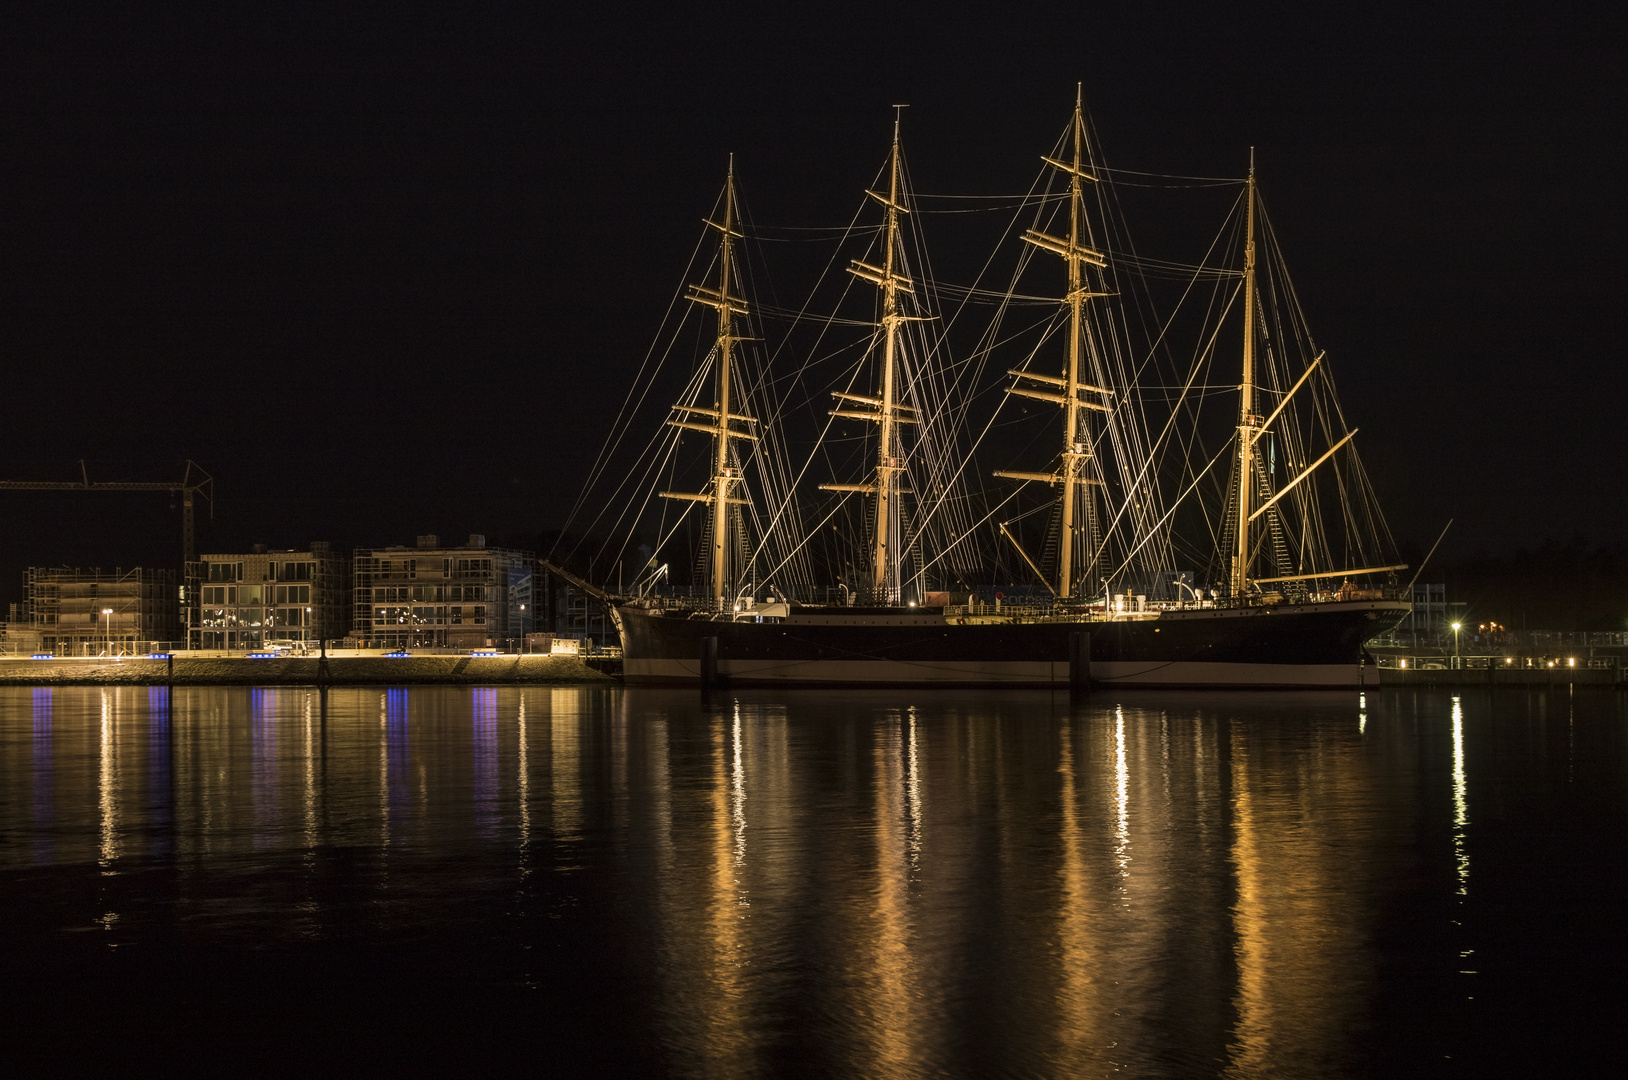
[[598, 881]]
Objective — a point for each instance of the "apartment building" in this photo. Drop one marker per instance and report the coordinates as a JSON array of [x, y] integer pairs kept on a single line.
[[468, 596], [262, 597]]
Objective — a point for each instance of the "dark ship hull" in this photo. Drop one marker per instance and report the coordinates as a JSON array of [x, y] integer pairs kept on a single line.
[[1287, 645]]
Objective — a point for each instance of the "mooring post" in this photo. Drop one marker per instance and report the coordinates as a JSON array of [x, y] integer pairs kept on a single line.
[[169, 669], [322, 664], [709, 661], [1079, 660]]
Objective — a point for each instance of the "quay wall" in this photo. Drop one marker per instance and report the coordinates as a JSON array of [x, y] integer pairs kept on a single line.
[[1513, 677], [302, 671]]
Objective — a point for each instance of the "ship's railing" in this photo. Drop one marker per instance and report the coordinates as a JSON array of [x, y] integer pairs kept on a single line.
[[1030, 608], [1501, 662]]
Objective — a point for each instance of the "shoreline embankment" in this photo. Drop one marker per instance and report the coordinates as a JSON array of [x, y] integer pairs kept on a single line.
[[302, 671]]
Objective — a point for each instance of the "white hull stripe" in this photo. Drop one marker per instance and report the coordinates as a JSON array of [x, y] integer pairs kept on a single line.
[[1003, 672]]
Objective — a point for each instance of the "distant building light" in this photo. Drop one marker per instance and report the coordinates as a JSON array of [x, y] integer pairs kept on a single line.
[[1402, 663], [1571, 661]]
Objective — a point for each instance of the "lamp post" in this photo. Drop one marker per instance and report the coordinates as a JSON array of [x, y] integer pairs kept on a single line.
[[1456, 628], [305, 632], [107, 635]]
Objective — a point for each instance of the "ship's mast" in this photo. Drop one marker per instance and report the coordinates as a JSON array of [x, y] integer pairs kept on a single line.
[[1076, 444], [1248, 422], [724, 476], [888, 459], [884, 410]]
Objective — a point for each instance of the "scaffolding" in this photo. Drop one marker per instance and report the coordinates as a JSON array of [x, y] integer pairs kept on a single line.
[[91, 613]]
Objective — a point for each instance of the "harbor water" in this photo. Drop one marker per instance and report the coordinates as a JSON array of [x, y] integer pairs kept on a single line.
[[592, 880]]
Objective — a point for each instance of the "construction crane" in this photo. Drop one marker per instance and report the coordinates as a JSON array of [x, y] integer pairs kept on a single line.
[[193, 482]]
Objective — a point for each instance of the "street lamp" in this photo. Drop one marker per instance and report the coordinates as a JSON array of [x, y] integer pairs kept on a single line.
[[1456, 628], [305, 632], [107, 636]]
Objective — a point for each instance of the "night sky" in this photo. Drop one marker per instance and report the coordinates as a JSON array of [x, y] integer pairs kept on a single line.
[[388, 271]]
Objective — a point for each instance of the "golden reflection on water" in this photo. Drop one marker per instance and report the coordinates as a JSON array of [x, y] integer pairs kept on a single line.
[[887, 956], [1461, 800], [1299, 857], [1139, 874], [1081, 997], [384, 773], [701, 900], [565, 765], [523, 783], [1122, 834], [104, 784]]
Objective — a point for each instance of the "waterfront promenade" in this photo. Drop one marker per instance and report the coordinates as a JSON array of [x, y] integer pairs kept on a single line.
[[349, 668]]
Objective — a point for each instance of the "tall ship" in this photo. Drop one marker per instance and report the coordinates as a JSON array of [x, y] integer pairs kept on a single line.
[[1108, 469]]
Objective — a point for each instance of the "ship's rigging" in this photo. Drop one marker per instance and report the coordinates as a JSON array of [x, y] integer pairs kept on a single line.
[[1076, 511], [889, 541], [895, 417]]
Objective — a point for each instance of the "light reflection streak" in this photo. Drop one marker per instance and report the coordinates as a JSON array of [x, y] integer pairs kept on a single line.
[[1122, 780], [1079, 998], [106, 779], [737, 797], [384, 773], [263, 763], [565, 761], [310, 778], [160, 830], [619, 757], [1362, 714], [892, 1043], [1164, 764], [483, 734], [523, 786], [912, 790], [1461, 804], [1254, 1003], [43, 774], [727, 1047], [397, 732], [1301, 866]]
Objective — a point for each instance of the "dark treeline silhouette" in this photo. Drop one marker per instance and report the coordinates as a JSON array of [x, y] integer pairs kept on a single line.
[[1557, 586]]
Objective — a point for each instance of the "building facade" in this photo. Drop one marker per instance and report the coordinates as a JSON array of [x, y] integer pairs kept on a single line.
[[429, 596], [91, 613], [567, 612], [1430, 623], [264, 597]]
